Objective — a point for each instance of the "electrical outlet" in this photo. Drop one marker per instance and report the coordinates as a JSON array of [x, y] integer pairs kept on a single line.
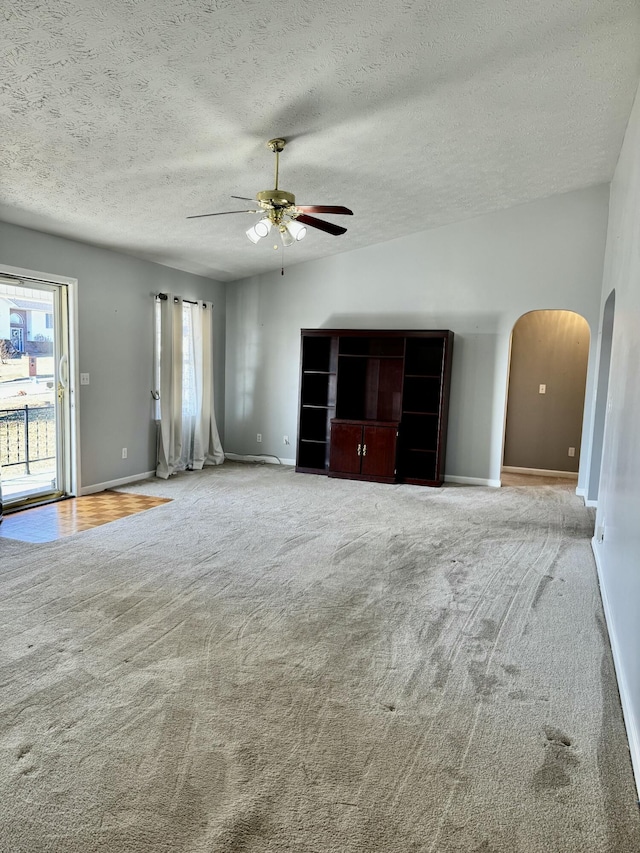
[[259, 437], [285, 439], [572, 451], [600, 533], [542, 389], [84, 378], [124, 452]]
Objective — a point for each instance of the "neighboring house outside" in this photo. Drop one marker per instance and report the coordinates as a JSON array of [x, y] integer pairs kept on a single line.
[[26, 321]]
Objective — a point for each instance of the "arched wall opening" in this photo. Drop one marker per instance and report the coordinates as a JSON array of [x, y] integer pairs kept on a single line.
[[546, 392]]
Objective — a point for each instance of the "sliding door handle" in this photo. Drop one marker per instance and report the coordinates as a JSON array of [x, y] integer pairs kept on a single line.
[[63, 371]]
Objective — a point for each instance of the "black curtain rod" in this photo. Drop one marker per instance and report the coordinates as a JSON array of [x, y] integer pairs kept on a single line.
[[163, 297]]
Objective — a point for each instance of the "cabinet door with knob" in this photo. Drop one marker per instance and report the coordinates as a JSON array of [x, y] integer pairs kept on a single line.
[[363, 450]]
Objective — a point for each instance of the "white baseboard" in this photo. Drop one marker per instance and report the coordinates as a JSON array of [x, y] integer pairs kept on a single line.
[[471, 481], [631, 722], [112, 484], [582, 493], [540, 472], [267, 458]]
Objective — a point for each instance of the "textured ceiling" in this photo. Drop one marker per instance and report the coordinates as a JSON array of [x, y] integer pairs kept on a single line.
[[121, 118]]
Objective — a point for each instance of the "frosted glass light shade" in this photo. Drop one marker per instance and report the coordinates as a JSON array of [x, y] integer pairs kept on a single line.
[[297, 230], [253, 235], [263, 227]]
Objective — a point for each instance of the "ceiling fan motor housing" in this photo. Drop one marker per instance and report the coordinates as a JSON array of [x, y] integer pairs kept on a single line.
[[277, 204], [276, 198]]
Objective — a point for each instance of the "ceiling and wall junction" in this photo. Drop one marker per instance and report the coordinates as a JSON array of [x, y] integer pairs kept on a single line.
[[121, 119]]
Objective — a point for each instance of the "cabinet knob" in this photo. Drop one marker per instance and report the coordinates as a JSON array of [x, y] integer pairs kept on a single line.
[[364, 449], [359, 450]]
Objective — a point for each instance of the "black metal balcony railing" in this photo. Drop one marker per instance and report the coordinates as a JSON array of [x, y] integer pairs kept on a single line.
[[27, 436]]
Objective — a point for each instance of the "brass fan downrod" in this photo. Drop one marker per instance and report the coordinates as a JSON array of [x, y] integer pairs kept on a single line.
[[275, 198], [277, 145]]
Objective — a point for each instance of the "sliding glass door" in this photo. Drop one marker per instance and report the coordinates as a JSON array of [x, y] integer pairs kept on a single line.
[[34, 391]]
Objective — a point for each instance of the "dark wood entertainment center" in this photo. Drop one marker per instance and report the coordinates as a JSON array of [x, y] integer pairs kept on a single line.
[[374, 404]]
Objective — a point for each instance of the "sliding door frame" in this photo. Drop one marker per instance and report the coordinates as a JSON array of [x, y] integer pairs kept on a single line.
[[71, 284]]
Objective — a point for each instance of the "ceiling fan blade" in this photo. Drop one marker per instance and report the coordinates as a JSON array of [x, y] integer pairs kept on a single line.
[[242, 198], [320, 224], [324, 208], [222, 213]]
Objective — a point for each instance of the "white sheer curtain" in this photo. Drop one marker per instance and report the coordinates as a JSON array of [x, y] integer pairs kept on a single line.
[[188, 436]]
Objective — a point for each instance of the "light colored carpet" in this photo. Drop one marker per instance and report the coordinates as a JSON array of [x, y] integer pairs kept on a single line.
[[281, 663]]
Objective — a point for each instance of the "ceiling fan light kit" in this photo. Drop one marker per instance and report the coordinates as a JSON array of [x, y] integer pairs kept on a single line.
[[278, 209]]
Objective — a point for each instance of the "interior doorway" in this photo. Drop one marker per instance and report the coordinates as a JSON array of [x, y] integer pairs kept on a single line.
[[36, 436], [545, 397], [602, 397]]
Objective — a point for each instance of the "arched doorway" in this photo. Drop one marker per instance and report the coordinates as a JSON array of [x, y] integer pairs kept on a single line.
[[545, 398]]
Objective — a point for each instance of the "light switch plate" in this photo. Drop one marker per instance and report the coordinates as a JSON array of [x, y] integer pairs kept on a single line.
[[542, 389]]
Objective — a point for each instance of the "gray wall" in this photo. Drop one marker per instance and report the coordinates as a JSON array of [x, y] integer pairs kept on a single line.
[[475, 277], [549, 348], [618, 514], [115, 320]]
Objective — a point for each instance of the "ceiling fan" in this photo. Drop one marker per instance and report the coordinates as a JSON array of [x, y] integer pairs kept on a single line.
[[280, 211]]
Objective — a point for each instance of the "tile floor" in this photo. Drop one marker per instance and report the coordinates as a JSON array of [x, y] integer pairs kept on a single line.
[[63, 518]]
